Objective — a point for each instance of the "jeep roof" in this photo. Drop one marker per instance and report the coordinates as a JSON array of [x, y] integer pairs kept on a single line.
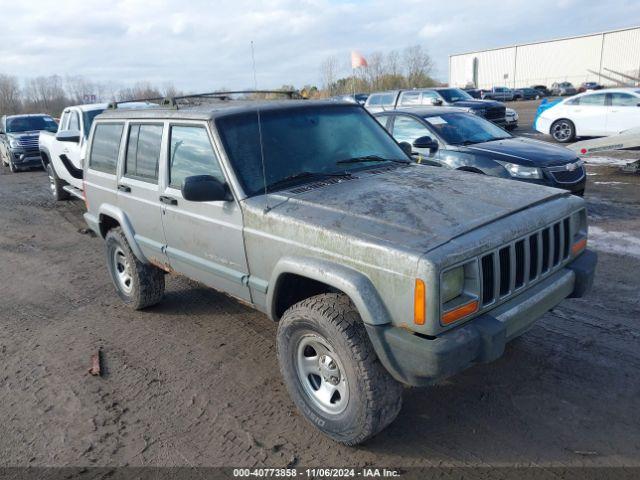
[[215, 110]]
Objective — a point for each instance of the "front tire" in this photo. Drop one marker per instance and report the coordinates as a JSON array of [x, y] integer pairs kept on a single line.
[[563, 130], [332, 371], [55, 185], [137, 284]]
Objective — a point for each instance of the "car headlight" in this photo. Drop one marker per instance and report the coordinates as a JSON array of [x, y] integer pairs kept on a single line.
[[13, 143], [452, 283], [520, 171]]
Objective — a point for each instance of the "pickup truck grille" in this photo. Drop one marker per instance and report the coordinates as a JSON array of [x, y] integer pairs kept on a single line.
[[28, 143], [495, 113], [510, 268]]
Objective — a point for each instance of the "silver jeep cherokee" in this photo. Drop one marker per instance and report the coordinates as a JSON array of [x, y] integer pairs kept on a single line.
[[379, 271]]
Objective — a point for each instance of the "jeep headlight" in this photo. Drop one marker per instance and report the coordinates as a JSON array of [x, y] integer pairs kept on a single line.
[[459, 292], [520, 171], [452, 283]]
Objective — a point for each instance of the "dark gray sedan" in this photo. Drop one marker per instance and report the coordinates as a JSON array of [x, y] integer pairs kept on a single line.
[[456, 139]]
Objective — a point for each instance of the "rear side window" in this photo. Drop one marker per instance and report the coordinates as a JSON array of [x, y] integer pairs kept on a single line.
[[191, 154], [375, 99], [143, 152], [105, 147], [619, 99], [410, 98], [597, 99], [388, 99]]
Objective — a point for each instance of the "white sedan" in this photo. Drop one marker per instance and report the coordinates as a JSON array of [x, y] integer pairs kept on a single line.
[[591, 114]]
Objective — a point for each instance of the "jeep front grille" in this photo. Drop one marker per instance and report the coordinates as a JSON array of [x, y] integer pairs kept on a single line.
[[509, 268]]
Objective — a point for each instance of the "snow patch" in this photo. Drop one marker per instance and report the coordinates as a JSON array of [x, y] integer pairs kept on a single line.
[[614, 242], [618, 162], [611, 183]]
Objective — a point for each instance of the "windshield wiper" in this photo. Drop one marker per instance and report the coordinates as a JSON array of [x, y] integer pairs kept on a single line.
[[371, 158], [305, 175]]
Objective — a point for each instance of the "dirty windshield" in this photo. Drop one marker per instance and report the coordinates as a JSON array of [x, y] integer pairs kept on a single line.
[[303, 144]]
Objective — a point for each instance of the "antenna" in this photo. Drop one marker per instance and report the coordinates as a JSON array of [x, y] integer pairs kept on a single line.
[[264, 170]]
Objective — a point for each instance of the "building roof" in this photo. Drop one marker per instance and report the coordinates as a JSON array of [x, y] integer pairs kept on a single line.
[[542, 41]]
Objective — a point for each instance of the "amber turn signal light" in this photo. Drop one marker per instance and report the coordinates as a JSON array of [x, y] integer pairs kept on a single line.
[[460, 312], [580, 245], [419, 303]]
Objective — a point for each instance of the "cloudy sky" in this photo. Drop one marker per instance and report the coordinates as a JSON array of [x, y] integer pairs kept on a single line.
[[205, 45]]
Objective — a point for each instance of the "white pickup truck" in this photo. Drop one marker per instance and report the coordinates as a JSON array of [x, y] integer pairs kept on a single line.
[[63, 152]]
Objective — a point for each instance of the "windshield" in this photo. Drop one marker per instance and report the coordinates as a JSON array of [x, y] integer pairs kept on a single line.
[[303, 143], [452, 95], [31, 124], [87, 119], [465, 128]]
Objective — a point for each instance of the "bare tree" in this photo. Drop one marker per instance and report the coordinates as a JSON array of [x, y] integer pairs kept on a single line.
[[329, 74], [375, 70], [392, 63], [140, 90], [418, 67], [46, 95], [169, 90], [10, 96]]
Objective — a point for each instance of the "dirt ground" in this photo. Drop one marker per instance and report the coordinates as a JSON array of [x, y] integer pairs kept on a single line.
[[194, 381]]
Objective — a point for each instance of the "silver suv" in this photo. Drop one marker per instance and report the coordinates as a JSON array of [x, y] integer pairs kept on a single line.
[[379, 271]]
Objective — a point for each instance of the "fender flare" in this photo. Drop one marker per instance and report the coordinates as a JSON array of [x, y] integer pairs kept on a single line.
[[348, 280], [121, 217], [45, 151]]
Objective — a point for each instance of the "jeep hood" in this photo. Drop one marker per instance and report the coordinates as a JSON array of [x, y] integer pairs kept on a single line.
[[415, 208]]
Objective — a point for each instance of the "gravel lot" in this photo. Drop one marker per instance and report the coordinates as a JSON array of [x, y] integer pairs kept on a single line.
[[194, 380]]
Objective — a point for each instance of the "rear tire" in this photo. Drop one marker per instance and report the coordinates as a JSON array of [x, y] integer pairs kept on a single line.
[[55, 185], [137, 284], [332, 371], [563, 131]]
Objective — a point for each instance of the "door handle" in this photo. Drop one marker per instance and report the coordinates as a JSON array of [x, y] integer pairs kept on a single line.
[[168, 200], [124, 188]]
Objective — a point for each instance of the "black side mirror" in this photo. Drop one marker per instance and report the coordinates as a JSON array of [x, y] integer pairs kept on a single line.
[[205, 188], [425, 142], [71, 136], [406, 148]]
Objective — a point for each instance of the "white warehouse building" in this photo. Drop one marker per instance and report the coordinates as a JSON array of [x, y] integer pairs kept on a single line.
[[610, 58]]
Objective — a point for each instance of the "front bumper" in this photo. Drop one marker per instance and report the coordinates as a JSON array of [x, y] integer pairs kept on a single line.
[[418, 360], [23, 159], [576, 188]]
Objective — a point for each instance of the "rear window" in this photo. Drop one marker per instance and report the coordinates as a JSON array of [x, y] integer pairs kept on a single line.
[[143, 152], [105, 147]]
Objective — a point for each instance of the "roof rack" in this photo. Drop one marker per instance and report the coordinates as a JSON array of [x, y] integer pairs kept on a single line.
[[173, 102]]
